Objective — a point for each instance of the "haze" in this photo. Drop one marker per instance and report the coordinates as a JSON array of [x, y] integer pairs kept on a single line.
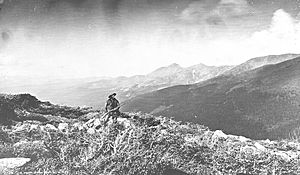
[[88, 38]]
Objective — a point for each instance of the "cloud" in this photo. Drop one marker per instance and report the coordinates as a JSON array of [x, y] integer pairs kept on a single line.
[[282, 36], [215, 12], [233, 8]]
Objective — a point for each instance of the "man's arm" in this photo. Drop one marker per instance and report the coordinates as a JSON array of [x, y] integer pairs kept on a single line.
[[118, 104], [108, 102]]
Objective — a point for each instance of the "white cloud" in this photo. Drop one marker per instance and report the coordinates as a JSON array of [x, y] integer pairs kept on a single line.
[[282, 36]]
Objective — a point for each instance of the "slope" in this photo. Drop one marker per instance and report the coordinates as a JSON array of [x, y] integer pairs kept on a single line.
[[261, 103]]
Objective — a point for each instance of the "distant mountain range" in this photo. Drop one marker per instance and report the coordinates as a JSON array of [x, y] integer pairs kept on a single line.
[[259, 99], [128, 87], [93, 92]]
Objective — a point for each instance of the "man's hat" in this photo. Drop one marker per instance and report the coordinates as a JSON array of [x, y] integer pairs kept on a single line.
[[111, 95]]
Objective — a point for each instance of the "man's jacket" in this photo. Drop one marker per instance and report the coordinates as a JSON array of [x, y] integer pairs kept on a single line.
[[111, 103]]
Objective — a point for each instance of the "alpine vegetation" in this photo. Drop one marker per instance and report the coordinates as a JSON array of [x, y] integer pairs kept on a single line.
[[65, 140]]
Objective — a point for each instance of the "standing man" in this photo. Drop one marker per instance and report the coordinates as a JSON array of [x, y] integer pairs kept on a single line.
[[112, 107]]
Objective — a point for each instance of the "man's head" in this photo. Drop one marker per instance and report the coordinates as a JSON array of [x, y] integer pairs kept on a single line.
[[112, 95]]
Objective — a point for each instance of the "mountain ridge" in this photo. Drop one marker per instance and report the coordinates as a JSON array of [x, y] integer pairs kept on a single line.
[[243, 104]]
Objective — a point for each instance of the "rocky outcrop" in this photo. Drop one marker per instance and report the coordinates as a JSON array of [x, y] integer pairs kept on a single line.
[[24, 107]]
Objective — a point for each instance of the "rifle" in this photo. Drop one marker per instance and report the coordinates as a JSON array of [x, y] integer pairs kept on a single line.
[[112, 110]]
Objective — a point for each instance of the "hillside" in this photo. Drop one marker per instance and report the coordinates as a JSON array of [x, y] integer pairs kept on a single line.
[[136, 144], [259, 62], [260, 103]]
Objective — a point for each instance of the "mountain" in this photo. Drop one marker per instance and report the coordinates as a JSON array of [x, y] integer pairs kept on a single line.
[[166, 71], [260, 103], [259, 62], [133, 144], [94, 91], [88, 92], [129, 87]]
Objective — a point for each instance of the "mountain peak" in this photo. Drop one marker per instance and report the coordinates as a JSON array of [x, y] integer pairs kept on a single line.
[[174, 65], [165, 71]]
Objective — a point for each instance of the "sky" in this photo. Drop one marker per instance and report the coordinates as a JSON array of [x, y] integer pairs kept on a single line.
[[89, 38]]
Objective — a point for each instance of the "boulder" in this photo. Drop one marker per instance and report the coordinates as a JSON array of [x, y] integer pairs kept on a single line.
[[243, 139], [13, 162], [260, 147], [219, 134], [287, 155], [91, 131], [78, 126], [97, 123], [34, 127], [90, 123], [249, 149], [63, 127], [50, 127], [20, 143], [21, 127], [125, 122], [283, 155]]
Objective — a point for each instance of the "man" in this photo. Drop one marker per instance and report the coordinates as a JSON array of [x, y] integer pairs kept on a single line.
[[112, 106]]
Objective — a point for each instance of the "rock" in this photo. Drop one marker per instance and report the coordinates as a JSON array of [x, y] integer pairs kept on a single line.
[[217, 135], [239, 138], [13, 162], [243, 139], [164, 132], [23, 143], [21, 128], [124, 122], [20, 143], [78, 126], [91, 131], [97, 123], [50, 127], [248, 149], [287, 155], [293, 146], [260, 147], [282, 154], [90, 123], [194, 139], [63, 127], [34, 127]]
